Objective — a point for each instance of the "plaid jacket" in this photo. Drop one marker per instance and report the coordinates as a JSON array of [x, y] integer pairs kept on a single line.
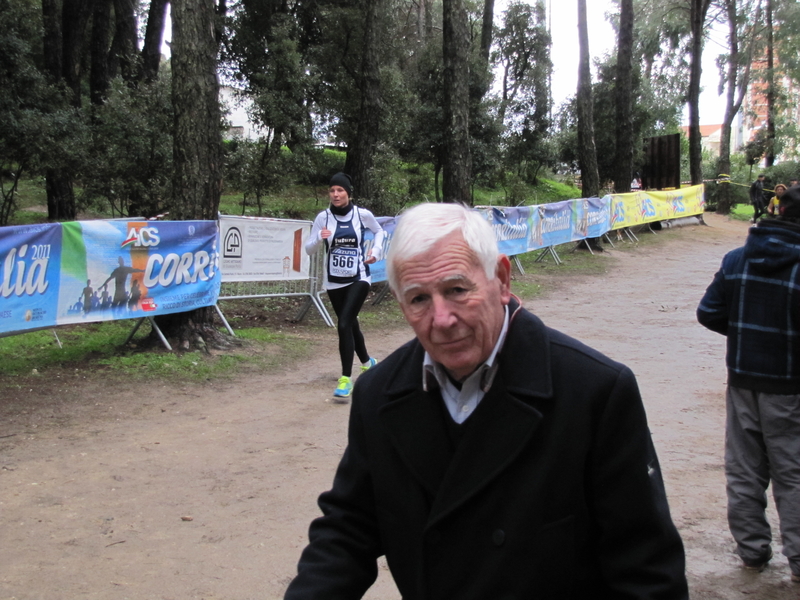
[[754, 300]]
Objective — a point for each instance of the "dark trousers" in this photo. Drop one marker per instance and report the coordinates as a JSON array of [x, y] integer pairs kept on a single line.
[[759, 210], [347, 303]]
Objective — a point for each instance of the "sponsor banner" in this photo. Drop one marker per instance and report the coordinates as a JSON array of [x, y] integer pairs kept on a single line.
[[127, 269], [378, 270], [552, 224], [522, 229], [638, 208], [591, 218], [105, 270], [30, 259], [255, 249], [511, 226]]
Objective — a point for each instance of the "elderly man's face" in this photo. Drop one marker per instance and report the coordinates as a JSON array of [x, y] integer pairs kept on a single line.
[[456, 312]]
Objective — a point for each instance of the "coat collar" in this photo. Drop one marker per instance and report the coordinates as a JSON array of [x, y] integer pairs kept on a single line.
[[527, 336], [496, 432]]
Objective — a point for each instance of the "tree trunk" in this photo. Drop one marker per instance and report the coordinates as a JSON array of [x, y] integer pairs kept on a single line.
[[99, 80], [153, 37], [624, 100], [75, 18], [197, 149], [52, 39], [361, 156], [587, 153], [124, 48], [487, 29], [732, 103], [458, 159], [58, 184], [60, 195], [699, 9], [769, 157]]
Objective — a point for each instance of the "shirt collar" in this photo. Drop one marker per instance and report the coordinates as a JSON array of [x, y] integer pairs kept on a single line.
[[434, 374]]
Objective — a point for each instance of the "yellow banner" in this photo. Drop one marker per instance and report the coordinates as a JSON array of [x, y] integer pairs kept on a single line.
[[638, 208]]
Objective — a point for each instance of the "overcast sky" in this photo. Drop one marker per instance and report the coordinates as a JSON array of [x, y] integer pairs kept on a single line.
[[564, 52]]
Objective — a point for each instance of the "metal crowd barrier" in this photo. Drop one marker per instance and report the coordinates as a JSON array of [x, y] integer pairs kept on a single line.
[[310, 288]]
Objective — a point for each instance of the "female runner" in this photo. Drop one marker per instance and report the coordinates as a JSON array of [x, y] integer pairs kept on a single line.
[[347, 280]]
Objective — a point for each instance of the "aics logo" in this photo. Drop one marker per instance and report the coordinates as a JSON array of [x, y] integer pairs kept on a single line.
[[141, 237]]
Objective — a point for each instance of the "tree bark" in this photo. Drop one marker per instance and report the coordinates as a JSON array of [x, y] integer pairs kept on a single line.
[[587, 152], [124, 47], [60, 195], [769, 157], [699, 9], [487, 28], [75, 18], [99, 80], [58, 184], [153, 37], [52, 39], [624, 100], [361, 156], [458, 159], [735, 90], [197, 148]]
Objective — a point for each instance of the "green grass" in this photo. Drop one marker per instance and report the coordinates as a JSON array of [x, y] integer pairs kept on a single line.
[[188, 366], [742, 212], [101, 345], [579, 262], [36, 352], [31, 192]]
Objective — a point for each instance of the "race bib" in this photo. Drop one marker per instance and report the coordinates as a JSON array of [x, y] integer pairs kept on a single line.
[[343, 262]]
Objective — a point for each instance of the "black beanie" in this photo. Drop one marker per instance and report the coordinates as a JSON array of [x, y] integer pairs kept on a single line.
[[343, 180]]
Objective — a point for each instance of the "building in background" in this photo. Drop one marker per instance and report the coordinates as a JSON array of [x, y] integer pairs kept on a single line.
[[239, 123]]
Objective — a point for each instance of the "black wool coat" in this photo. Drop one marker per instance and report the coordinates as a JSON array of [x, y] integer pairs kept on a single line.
[[553, 492]]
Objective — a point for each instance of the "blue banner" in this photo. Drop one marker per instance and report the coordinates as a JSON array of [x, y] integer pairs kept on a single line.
[[30, 259], [87, 271]]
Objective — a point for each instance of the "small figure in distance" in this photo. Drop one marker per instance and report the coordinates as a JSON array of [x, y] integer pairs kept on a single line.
[[757, 196]]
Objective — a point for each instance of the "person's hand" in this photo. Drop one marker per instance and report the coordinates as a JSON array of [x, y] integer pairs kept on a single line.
[[370, 260], [325, 233]]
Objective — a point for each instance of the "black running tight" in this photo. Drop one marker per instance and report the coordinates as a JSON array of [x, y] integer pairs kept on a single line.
[[347, 302]]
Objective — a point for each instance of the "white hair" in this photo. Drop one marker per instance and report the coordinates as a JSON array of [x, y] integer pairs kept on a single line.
[[422, 226]]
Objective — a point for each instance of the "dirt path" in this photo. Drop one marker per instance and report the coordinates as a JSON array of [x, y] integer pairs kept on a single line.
[[206, 492]]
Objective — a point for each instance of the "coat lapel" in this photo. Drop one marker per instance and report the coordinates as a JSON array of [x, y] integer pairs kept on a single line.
[[415, 426], [499, 429], [413, 421]]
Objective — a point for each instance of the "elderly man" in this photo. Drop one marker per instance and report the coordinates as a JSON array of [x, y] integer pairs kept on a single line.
[[491, 457], [753, 300]]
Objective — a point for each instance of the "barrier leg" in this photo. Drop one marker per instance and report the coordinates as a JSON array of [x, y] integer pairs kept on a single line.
[[58, 341], [304, 309], [135, 329], [381, 295], [552, 252], [160, 334], [322, 310], [519, 265], [631, 236], [224, 320], [578, 245]]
